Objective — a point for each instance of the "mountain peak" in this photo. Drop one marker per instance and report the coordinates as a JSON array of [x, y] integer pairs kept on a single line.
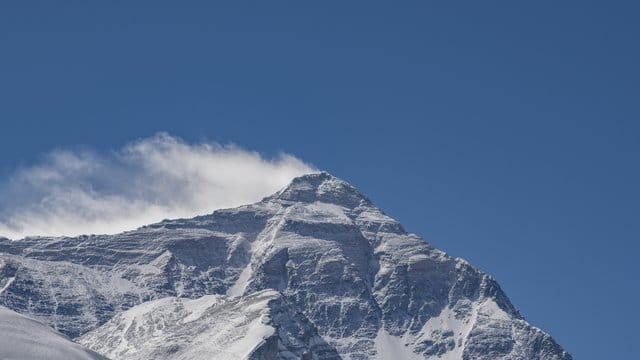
[[322, 187], [314, 271]]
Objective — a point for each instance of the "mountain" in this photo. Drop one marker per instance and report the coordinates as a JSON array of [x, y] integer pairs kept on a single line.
[[315, 271], [25, 338]]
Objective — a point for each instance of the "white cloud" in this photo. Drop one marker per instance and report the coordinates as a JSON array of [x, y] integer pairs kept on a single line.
[[84, 192]]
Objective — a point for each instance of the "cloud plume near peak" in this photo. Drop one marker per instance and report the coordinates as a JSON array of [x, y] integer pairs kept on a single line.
[[85, 192]]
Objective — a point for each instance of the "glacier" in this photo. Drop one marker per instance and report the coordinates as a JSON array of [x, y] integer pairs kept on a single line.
[[315, 271]]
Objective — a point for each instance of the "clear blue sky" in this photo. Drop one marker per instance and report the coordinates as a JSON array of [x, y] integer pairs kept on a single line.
[[504, 133]]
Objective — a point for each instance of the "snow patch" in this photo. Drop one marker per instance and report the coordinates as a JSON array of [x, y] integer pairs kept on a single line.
[[7, 284], [319, 212], [389, 347], [212, 326]]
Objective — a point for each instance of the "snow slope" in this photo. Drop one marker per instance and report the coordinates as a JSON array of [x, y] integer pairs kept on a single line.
[[22, 338], [212, 326]]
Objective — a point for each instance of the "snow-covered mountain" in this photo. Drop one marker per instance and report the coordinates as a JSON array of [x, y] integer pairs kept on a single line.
[[314, 271]]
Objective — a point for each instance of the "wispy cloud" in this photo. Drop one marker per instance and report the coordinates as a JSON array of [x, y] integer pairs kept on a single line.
[[85, 192]]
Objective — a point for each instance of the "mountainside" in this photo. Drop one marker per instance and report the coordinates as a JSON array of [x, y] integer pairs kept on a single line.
[[212, 326], [314, 271]]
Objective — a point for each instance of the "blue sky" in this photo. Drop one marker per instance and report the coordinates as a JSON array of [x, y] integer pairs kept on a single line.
[[504, 133]]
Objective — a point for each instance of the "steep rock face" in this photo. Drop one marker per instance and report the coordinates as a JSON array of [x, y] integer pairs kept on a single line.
[[359, 277], [77, 284], [69, 297], [25, 338], [365, 284]]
